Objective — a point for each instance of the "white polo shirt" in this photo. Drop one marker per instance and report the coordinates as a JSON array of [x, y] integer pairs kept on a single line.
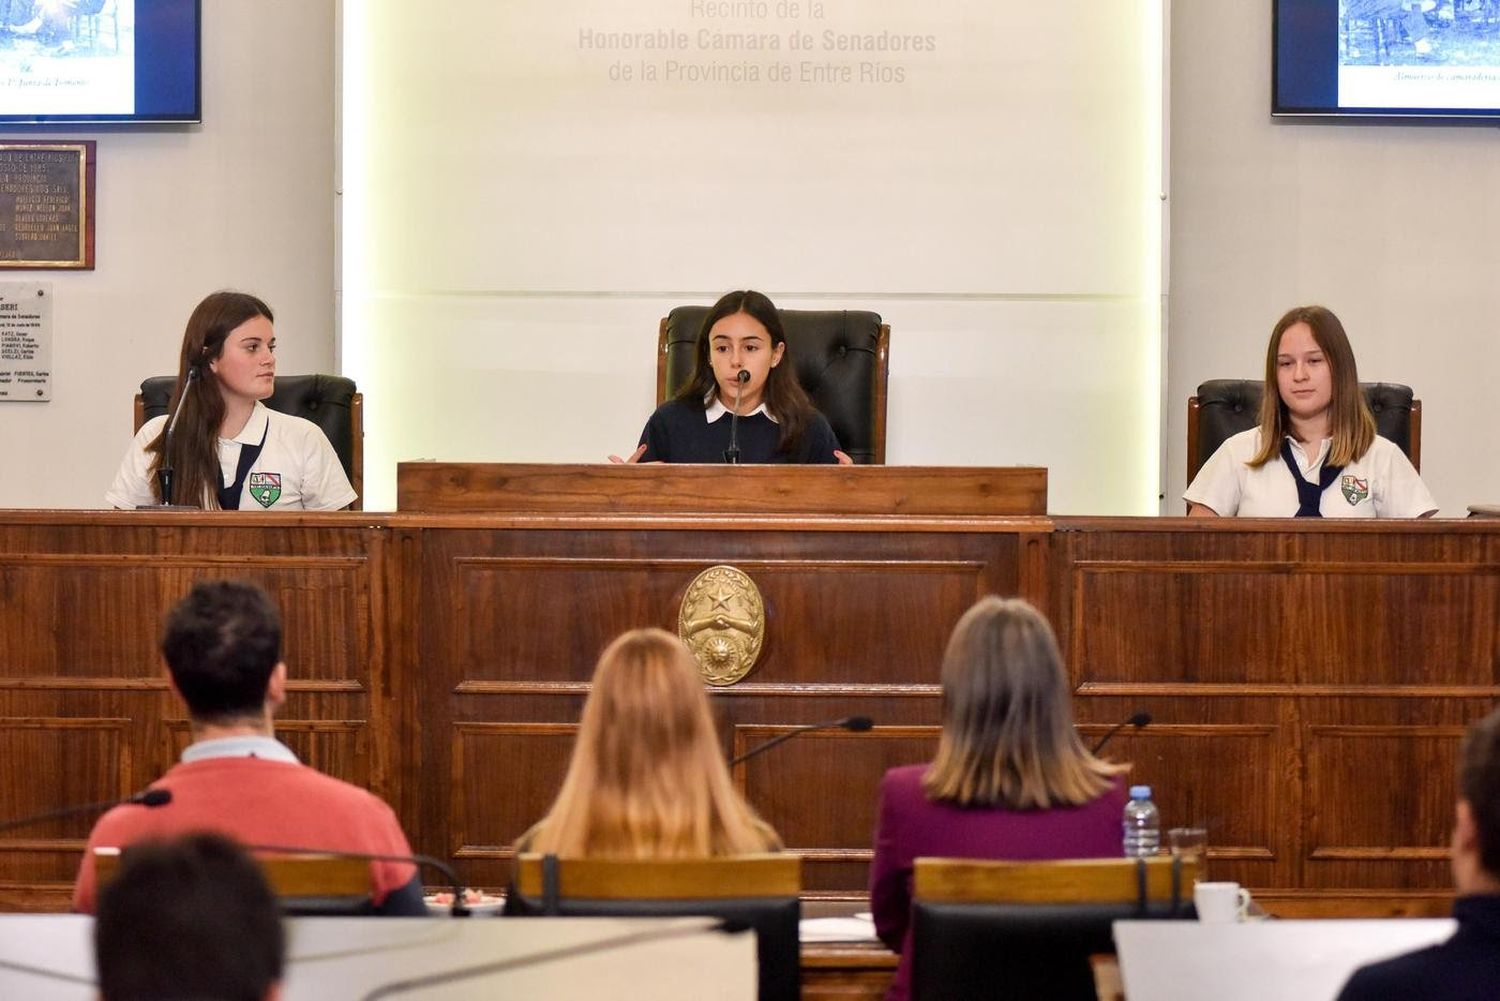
[[1380, 484], [297, 469]]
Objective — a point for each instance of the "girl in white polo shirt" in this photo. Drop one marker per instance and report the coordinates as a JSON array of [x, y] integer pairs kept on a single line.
[[1315, 453], [228, 449]]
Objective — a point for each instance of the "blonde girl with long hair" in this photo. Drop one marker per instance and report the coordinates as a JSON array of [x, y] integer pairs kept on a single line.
[[648, 778]]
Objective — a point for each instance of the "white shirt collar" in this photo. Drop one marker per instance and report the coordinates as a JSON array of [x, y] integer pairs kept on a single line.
[[254, 431], [265, 748], [1310, 462], [713, 409]]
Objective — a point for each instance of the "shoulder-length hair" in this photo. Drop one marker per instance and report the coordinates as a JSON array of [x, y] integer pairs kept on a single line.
[[195, 443], [785, 398], [1351, 424], [1008, 737], [648, 778]]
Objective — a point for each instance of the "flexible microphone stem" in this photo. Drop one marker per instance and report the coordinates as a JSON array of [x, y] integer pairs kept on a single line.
[[1139, 721], [166, 469], [550, 956], [148, 798], [854, 724], [732, 453], [458, 910]]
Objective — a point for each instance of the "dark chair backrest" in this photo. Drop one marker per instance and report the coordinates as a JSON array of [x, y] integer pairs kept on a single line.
[[305, 885], [841, 358], [330, 401], [1020, 930], [759, 891], [1225, 407]]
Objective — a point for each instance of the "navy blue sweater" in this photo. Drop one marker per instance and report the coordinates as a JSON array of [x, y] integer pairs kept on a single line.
[[1464, 968], [678, 432]]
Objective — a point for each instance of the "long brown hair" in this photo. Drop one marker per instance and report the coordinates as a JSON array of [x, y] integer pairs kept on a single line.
[[1351, 424], [1008, 736], [195, 443], [785, 398], [647, 778]]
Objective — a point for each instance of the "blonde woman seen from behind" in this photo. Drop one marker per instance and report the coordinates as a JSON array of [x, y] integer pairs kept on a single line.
[[1011, 779], [648, 778]]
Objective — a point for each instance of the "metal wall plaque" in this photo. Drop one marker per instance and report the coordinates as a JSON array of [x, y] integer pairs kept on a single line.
[[723, 621], [47, 205], [25, 341]]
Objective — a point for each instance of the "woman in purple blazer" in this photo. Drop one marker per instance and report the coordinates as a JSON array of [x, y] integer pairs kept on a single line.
[[1011, 779]]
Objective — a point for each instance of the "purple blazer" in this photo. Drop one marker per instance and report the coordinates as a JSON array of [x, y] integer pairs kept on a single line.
[[910, 826]]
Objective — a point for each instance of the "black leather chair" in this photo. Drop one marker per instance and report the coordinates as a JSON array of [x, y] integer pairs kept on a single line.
[[330, 401], [1225, 407], [760, 891], [841, 358], [1024, 930]]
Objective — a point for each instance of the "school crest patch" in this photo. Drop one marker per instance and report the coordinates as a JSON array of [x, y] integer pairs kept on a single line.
[[1355, 489], [266, 488]]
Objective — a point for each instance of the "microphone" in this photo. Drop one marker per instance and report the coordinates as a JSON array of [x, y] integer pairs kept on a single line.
[[854, 724], [166, 469], [1139, 721], [732, 453], [458, 910], [557, 955], [147, 798]]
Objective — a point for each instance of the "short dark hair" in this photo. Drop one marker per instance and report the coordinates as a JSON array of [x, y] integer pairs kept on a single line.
[[221, 643], [1479, 783], [188, 919]]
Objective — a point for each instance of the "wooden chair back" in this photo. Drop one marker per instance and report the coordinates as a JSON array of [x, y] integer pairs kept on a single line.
[[742, 876], [322, 884], [1071, 881]]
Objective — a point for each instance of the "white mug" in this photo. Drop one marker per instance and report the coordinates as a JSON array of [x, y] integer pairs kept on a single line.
[[1221, 903]]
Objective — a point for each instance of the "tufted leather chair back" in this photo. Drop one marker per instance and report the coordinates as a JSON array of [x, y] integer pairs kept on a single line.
[[329, 401], [1225, 407], [840, 358]]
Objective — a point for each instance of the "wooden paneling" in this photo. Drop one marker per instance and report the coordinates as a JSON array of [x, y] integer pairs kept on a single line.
[[50, 761], [1308, 682], [505, 776], [713, 490], [1357, 651]]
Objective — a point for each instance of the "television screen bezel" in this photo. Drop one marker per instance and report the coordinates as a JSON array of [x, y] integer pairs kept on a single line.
[[1446, 116], [193, 117]]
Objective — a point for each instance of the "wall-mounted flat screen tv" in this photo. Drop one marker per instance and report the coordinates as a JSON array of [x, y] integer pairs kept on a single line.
[[100, 61], [1386, 58]]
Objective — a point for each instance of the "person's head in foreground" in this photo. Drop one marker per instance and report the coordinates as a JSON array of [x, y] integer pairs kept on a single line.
[[1467, 966], [188, 919], [1008, 737], [222, 645], [1476, 817], [648, 778]]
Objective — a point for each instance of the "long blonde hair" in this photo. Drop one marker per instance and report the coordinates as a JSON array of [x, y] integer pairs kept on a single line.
[[1350, 423], [1008, 736], [647, 778]]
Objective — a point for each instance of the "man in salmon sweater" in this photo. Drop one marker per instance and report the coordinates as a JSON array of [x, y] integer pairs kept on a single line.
[[222, 645]]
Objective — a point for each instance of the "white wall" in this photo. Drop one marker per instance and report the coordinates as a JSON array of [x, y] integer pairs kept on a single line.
[[1392, 227], [244, 201], [516, 222]]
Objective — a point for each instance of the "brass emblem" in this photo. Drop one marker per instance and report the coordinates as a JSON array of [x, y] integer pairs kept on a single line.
[[723, 621]]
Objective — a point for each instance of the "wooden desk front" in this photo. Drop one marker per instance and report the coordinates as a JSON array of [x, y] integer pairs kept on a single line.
[[1308, 683]]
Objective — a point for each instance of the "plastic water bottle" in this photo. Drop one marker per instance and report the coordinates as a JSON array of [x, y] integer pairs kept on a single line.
[[1142, 824]]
